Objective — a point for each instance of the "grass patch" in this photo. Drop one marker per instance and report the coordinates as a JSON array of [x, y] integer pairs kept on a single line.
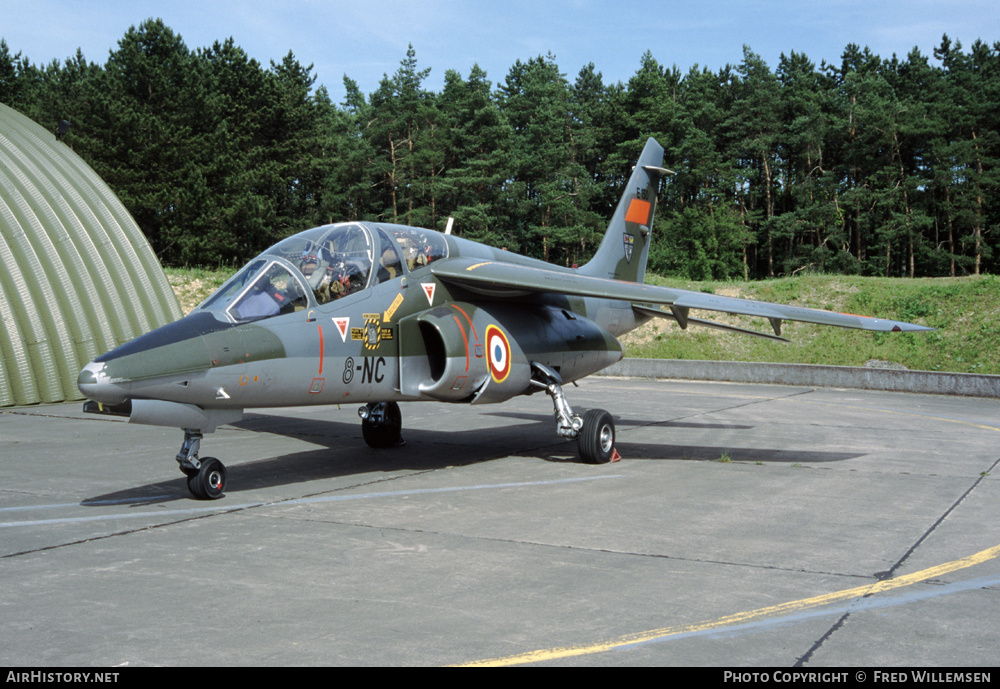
[[193, 285]]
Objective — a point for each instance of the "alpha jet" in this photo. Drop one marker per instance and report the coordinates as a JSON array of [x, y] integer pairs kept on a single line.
[[379, 314]]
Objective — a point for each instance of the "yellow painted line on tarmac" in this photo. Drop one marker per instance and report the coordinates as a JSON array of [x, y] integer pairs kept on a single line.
[[742, 617]]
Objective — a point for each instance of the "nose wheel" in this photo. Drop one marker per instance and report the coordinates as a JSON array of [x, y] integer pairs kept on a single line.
[[206, 478], [210, 481]]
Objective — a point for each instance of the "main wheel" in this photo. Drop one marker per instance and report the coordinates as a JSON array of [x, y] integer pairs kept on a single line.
[[383, 425], [596, 442], [210, 481]]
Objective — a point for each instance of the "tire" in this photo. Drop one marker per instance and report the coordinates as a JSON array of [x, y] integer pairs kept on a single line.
[[210, 481], [596, 442], [384, 425]]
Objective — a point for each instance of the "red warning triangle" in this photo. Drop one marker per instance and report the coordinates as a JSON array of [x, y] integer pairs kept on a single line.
[[342, 324]]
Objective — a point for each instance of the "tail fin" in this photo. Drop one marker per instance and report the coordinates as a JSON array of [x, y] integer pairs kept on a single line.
[[623, 251]]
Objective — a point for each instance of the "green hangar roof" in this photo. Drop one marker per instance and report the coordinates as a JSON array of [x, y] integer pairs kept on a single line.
[[77, 276]]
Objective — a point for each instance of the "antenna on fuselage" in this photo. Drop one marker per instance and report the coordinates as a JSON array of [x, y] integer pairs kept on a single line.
[[447, 228]]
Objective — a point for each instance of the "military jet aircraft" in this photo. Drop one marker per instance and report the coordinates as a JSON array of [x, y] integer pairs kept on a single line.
[[378, 314]]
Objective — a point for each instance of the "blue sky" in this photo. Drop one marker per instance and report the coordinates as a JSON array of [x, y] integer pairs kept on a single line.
[[367, 39]]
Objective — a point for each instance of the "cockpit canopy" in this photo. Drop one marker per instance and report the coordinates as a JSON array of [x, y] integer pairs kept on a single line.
[[322, 265]]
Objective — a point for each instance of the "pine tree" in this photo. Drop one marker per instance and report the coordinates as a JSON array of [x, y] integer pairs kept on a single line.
[[479, 157], [398, 110], [550, 190], [16, 74], [154, 137], [754, 130]]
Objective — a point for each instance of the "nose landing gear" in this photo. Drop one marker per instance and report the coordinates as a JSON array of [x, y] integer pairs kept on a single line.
[[206, 478]]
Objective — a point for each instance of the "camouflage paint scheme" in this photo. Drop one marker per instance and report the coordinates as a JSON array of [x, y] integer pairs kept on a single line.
[[378, 313]]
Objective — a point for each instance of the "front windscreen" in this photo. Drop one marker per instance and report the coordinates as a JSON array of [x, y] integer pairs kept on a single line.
[[224, 296], [329, 263], [274, 292]]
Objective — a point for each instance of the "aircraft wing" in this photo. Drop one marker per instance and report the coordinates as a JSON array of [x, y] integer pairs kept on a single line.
[[500, 279]]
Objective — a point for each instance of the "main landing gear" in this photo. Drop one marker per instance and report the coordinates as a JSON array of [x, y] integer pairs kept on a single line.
[[594, 432], [206, 478]]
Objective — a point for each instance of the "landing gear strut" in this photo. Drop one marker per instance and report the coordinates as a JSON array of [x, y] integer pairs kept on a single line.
[[206, 477], [594, 432], [381, 424]]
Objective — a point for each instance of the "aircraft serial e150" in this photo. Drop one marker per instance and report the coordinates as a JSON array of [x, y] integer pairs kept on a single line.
[[379, 314]]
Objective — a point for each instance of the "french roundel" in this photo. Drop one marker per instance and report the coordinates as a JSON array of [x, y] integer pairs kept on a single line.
[[499, 353]]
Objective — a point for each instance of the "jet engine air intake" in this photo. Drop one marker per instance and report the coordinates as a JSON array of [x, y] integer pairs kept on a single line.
[[454, 366], [461, 353]]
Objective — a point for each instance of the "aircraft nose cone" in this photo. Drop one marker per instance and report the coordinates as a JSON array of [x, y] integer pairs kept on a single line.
[[95, 384]]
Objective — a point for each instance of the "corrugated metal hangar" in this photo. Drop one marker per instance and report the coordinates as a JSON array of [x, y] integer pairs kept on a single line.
[[77, 276]]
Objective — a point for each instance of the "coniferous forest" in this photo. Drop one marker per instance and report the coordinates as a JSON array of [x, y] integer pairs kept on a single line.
[[872, 166]]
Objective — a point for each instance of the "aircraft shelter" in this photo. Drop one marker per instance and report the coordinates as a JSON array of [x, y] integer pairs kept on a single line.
[[77, 276]]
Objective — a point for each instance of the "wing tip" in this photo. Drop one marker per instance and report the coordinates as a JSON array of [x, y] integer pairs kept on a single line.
[[901, 327]]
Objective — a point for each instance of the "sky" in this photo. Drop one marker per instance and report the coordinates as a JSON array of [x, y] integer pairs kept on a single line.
[[367, 39]]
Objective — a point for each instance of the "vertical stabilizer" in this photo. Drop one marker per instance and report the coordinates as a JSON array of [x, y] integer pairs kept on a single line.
[[625, 247]]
